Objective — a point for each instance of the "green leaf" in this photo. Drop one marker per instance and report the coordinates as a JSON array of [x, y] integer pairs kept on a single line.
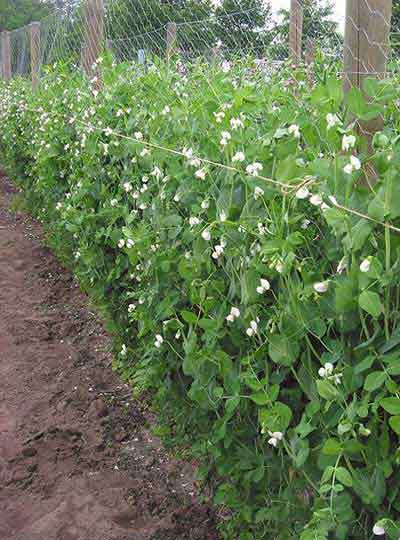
[[282, 350], [374, 380], [260, 398], [371, 303], [208, 324], [344, 476], [327, 390], [276, 418], [391, 405], [394, 423], [189, 317], [364, 365], [332, 447]]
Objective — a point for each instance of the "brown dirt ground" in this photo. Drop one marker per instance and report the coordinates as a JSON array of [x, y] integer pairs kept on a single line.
[[77, 460]]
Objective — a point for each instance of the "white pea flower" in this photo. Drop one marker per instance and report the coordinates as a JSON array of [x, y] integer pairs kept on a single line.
[[302, 193], [201, 174], [365, 265], [195, 162], [157, 172], [166, 110], [206, 235], [177, 197], [348, 169], [119, 113], [159, 341], [254, 169], [77, 255], [316, 200], [121, 243], [58, 206], [354, 165], [142, 206], [226, 66], [193, 221], [114, 202], [332, 120], [130, 243], [218, 251], [378, 530], [138, 135], [144, 152], [355, 162], [222, 216], [238, 157], [219, 116], [127, 187], [131, 308], [187, 152], [205, 204], [326, 371], [294, 130], [275, 437], [236, 123], [321, 287], [225, 138], [258, 192], [348, 142], [145, 179], [234, 314], [305, 224], [279, 267], [264, 286], [135, 194], [324, 207], [252, 330], [123, 350]]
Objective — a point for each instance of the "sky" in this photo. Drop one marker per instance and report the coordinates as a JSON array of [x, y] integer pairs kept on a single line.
[[340, 8]]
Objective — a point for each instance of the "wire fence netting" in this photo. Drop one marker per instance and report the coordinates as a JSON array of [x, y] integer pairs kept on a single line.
[[136, 30]]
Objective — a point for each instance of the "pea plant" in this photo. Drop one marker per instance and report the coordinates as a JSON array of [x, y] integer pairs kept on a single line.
[[240, 235]]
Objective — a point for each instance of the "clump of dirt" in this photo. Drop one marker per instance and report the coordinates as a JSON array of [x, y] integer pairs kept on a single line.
[[77, 458]]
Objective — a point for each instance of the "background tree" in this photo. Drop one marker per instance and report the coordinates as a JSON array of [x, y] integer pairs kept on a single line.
[[243, 25], [141, 24], [17, 13]]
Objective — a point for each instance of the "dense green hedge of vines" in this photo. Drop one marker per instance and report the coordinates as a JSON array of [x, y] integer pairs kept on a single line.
[[221, 217]]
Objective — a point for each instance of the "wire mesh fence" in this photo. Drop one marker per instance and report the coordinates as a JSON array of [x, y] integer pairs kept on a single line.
[[138, 30]]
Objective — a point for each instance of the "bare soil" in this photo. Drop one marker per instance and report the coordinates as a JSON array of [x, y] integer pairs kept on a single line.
[[77, 458]]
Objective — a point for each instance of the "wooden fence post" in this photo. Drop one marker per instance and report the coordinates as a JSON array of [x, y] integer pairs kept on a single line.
[[366, 51], [309, 55], [6, 56], [171, 39], [366, 47], [94, 36], [296, 30], [34, 38]]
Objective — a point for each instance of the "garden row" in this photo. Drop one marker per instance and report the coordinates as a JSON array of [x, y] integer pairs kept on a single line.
[[222, 223]]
